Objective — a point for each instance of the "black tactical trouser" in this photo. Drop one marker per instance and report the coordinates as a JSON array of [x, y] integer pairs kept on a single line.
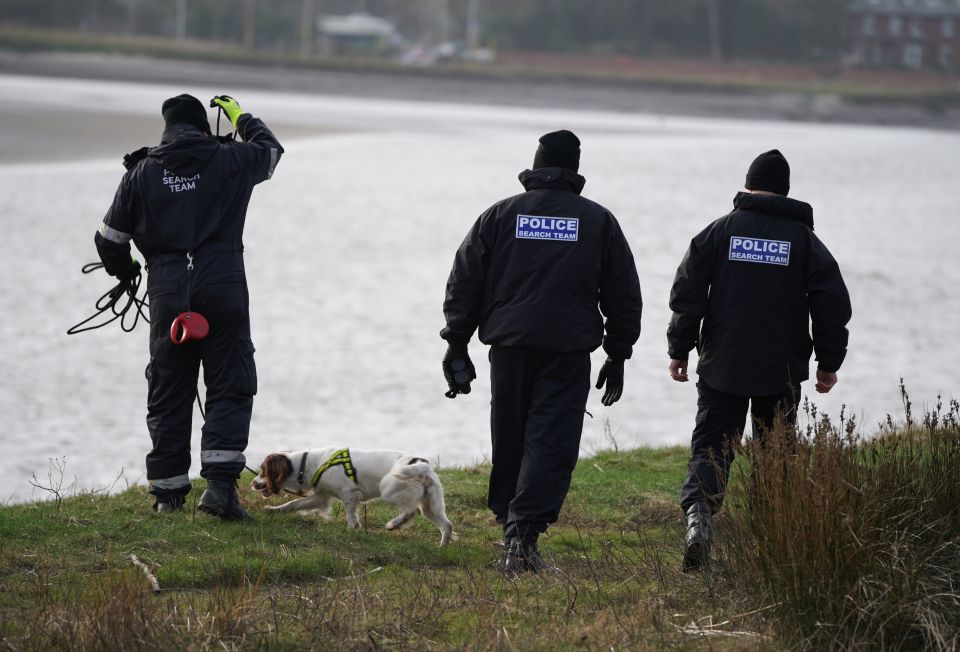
[[720, 422], [217, 289], [536, 418]]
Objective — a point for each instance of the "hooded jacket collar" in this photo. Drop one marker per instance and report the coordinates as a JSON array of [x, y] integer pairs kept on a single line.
[[184, 148], [552, 179], [791, 209]]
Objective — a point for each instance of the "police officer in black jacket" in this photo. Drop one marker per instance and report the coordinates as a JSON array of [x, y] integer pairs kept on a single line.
[[184, 203], [755, 279], [534, 274]]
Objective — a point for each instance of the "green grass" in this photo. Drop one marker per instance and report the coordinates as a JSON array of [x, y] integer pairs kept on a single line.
[[289, 581], [845, 543]]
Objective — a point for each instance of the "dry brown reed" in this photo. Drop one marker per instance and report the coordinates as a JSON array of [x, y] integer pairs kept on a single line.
[[854, 542]]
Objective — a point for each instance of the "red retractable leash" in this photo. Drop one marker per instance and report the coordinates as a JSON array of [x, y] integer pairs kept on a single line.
[[189, 326]]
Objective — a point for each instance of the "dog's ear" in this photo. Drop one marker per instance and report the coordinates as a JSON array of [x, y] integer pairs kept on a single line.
[[275, 470]]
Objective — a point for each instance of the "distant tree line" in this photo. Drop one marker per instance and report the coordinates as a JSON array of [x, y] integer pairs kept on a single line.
[[783, 30], [786, 30]]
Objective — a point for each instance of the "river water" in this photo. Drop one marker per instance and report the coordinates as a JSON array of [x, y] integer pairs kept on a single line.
[[349, 245]]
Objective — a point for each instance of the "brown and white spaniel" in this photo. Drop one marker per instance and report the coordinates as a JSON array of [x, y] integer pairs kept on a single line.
[[354, 477]]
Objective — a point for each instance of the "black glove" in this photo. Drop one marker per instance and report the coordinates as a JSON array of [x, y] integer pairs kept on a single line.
[[458, 370], [131, 272], [611, 373]]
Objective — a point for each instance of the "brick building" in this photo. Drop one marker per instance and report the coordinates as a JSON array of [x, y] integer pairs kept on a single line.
[[912, 34]]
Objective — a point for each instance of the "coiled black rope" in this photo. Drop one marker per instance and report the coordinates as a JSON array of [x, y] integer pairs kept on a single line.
[[116, 303], [110, 301]]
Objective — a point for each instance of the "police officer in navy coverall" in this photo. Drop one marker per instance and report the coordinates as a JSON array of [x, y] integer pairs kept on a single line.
[[534, 274], [184, 204], [756, 279]]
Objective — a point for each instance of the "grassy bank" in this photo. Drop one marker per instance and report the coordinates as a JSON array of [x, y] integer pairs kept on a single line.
[[293, 581], [929, 90], [843, 544]]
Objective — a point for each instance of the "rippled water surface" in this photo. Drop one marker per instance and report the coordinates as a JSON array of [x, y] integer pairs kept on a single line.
[[349, 245]]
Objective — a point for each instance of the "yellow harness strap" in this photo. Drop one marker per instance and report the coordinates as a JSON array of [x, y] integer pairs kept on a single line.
[[340, 458]]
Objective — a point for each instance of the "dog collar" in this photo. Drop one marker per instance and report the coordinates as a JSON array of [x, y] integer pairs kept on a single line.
[[303, 466], [340, 458]]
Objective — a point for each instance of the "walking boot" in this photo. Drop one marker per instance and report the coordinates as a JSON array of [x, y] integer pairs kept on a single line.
[[220, 499], [168, 504], [521, 555], [696, 552], [509, 558], [531, 553]]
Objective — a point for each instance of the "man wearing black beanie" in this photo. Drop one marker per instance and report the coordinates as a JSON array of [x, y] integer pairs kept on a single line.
[[185, 110], [184, 204], [769, 172], [537, 274], [743, 297], [558, 149]]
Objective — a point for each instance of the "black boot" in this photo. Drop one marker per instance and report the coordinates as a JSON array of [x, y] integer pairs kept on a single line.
[[168, 504], [521, 555], [696, 552], [531, 552], [220, 499], [510, 560]]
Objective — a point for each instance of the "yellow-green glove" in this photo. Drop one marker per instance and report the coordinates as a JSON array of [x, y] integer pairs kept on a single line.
[[229, 106]]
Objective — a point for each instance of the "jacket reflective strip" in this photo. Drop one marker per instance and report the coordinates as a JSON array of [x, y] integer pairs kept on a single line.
[[221, 457], [111, 234], [175, 482], [273, 161]]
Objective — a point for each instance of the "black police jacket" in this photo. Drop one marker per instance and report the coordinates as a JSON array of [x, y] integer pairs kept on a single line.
[[537, 269], [190, 191], [757, 278]]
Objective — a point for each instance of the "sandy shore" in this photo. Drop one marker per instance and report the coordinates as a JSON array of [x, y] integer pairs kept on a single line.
[[421, 85]]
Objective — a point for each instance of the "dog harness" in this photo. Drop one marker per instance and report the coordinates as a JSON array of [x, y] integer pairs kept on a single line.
[[340, 458]]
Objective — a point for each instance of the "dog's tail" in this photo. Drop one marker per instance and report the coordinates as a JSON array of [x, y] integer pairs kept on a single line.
[[416, 468], [432, 503]]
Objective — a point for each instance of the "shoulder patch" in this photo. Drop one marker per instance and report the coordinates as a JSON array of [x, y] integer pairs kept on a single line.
[[759, 250], [534, 227]]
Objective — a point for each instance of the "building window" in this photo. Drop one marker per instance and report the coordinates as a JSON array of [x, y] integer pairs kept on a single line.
[[913, 56], [948, 27], [895, 25], [869, 25], [946, 56], [916, 27]]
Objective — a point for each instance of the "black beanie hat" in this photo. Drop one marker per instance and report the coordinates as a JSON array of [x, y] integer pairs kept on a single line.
[[558, 149], [771, 172], [185, 109]]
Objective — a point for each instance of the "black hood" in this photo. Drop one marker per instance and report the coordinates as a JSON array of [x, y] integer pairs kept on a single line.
[[552, 179], [184, 148], [775, 205]]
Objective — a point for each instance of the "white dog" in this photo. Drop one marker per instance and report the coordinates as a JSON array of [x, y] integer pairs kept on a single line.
[[354, 477]]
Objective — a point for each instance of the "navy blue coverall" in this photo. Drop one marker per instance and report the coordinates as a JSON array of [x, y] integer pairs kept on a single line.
[[184, 206]]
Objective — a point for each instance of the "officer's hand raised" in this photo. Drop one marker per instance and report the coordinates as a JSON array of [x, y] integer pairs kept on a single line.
[[458, 370], [678, 370], [229, 106], [611, 373]]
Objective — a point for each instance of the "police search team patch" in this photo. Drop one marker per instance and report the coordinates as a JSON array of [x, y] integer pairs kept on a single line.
[[758, 250], [533, 227]]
